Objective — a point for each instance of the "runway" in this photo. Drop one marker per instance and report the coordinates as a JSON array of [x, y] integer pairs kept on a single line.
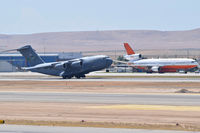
[[131, 98], [46, 129], [99, 98], [100, 76], [110, 79]]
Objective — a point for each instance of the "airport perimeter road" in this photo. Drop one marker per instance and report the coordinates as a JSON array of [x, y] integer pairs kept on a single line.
[[46, 129], [103, 98]]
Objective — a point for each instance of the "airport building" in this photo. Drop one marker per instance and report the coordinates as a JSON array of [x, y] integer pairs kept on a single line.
[[12, 62]]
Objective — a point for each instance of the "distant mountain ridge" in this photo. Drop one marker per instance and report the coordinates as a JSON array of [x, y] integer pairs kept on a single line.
[[103, 40]]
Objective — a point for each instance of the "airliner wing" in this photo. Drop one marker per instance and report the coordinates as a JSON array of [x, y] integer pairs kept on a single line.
[[124, 62]]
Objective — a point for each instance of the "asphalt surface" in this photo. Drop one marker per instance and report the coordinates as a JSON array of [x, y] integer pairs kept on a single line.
[[99, 76], [46, 129], [99, 98], [134, 79]]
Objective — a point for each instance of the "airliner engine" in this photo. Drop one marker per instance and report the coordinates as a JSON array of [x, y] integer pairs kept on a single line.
[[155, 68], [133, 57]]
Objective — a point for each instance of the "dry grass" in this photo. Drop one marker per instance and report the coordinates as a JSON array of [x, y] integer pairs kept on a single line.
[[71, 114], [174, 126], [100, 87]]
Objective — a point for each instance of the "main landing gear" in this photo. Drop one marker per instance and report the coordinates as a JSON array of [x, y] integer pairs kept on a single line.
[[66, 77], [77, 76], [80, 76]]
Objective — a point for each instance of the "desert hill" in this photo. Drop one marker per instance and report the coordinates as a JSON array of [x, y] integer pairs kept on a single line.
[[103, 40]]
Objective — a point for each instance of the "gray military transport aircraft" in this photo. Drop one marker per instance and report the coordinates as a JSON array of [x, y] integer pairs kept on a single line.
[[67, 69]]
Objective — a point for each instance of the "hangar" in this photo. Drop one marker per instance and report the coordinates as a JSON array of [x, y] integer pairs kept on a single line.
[[11, 62]]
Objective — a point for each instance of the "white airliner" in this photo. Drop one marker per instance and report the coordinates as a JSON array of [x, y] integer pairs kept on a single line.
[[159, 65]]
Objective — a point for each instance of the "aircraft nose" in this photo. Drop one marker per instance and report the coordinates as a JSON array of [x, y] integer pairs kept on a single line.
[[109, 61]]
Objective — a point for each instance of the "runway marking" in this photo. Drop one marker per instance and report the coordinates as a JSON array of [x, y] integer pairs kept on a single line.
[[148, 107]]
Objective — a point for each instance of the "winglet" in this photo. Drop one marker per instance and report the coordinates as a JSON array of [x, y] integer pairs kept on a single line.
[[129, 50]]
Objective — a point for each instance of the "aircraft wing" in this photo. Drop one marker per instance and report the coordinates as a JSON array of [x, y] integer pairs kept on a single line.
[[123, 62], [50, 65], [43, 65]]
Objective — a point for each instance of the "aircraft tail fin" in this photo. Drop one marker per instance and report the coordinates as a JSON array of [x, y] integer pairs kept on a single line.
[[129, 50], [30, 55]]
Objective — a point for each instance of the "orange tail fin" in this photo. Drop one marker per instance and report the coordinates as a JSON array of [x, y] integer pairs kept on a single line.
[[129, 50]]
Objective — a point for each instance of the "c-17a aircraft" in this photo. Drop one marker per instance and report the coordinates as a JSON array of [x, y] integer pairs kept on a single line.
[[67, 69]]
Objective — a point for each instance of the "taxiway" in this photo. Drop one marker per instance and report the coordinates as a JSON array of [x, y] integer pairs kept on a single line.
[[101, 97], [46, 129], [96, 98]]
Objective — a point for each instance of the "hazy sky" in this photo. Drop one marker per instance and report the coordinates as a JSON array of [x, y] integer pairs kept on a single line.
[[32, 16]]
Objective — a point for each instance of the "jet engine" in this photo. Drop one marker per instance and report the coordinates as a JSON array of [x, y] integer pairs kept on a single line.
[[133, 57], [76, 65], [59, 66], [63, 65], [155, 68], [73, 65]]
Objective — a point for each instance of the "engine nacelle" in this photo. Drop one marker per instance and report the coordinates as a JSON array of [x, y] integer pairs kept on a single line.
[[155, 68], [59, 66], [76, 65], [133, 57]]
